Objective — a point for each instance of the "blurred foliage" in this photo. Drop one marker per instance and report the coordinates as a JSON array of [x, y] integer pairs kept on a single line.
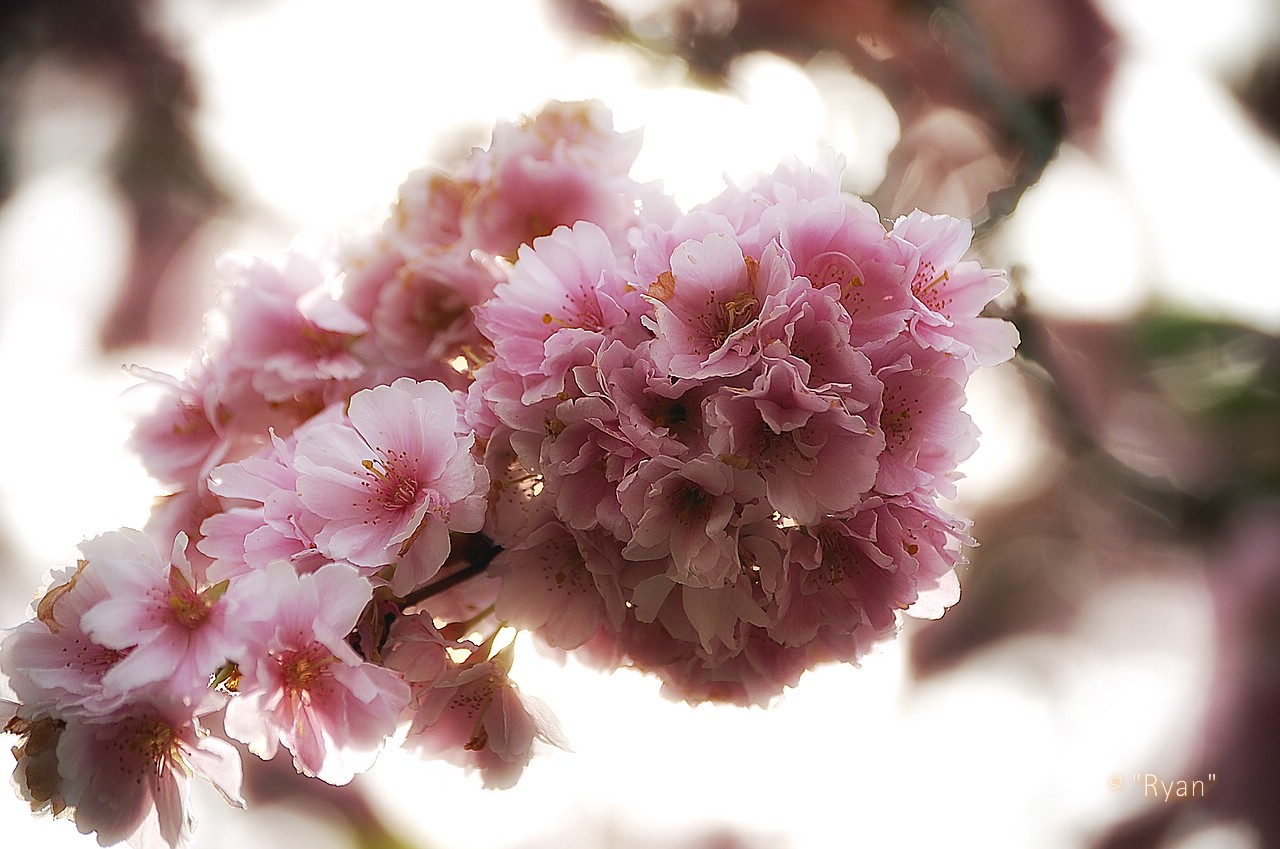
[[157, 164], [982, 83], [1225, 378], [1164, 428]]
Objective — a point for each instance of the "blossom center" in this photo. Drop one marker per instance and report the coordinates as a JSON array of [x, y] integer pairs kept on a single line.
[[896, 421], [929, 290], [300, 670], [671, 415], [192, 420], [434, 315], [154, 740], [187, 606], [392, 486], [838, 268], [836, 554], [690, 502], [189, 609], [733, 315], [475, 703]]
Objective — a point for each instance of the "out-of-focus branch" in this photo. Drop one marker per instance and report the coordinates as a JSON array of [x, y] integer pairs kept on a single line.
[[1016, 78], [157, 164]]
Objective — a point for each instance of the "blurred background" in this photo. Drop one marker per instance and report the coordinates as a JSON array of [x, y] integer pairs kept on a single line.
[[1121, 158]]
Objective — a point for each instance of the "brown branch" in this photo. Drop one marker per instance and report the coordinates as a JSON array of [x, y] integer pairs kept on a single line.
[[476, 551]]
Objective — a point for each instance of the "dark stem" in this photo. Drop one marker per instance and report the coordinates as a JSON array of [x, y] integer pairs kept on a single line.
[[475, 550]]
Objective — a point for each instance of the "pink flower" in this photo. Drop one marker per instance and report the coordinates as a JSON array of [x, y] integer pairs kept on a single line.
[[428, 212], [124, 774], [512, 504], [851, 574], [241, 539], [840, 245], [474, 716], [186, 433], [950, 294], [302, 685], [563, 165], [128, 775], [418, 651], [566, 293], [811, 332], [394, 477], [582, 460], [174, 628], [286, 330], [715, 618], [423, 313], [655, 243], [683, 510], [560, 584], [655, 415], [815, 457], [52, 664], [417, 300], [706, 308], [719, 621], [926, 431], [752, 206]]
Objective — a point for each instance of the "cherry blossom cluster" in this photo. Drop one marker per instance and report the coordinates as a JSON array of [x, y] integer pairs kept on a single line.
[[718, 448], [709, 445]]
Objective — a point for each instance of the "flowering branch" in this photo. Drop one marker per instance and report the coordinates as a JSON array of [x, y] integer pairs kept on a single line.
[[710, 445]]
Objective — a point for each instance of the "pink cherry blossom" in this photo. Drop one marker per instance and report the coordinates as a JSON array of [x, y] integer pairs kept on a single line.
[[476, 717], [811, 332], [124, 774], [709, 446], [187, 431], [815, 457], [127, 775], [289, 333], [423, 319], [241, 539], [560, 584], [175, 628], [392, 478], [715, 618], [926, 431], [752, 205], [840, 245], [567, 292], [583, 459], [854, 573], [705, 308], [654, 244], [418, 651], [428, 212], [51, 663], [563, 165], [654, 414], [302, 685], [950, 294], [683, 510]]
